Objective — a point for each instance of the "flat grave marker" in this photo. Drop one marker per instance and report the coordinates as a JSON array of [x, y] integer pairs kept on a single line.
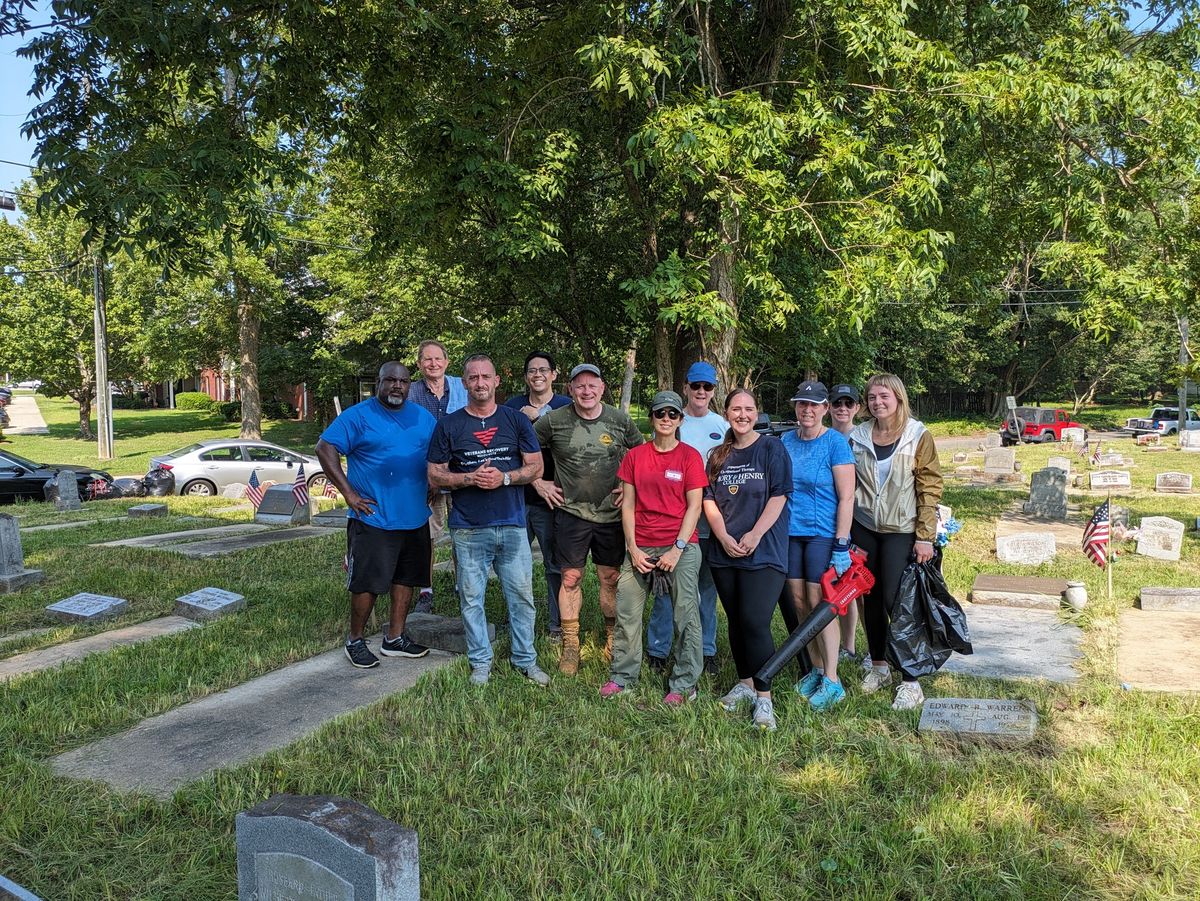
[[209, 603], [331, 519], [87, 607], [1160, 537], [1018, 591], [1028, 549], [13, 574], [1063, 463], [1156, 650], [1180, 599], [1048, 494], [1110, 460], [1110, 478], [1000, 460], [279, 508], [144, 510], [443, 633], [1002, 721], [1173, 483]]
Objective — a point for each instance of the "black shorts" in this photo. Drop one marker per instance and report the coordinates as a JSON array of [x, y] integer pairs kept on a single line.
[[575, 537], [377, 559]]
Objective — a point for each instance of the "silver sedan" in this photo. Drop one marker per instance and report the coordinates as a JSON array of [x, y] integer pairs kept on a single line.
[[204, 468]]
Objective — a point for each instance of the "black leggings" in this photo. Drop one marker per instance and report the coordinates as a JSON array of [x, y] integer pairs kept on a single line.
[[887, 556], [749, 597]]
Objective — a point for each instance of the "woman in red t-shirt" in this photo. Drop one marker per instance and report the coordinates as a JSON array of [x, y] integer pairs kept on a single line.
[[662, 489]]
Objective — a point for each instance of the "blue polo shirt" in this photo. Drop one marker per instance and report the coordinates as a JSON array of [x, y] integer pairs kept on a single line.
[[385, 453]]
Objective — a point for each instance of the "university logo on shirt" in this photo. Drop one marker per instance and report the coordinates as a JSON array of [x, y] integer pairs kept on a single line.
[[733, 489], [485, 437]]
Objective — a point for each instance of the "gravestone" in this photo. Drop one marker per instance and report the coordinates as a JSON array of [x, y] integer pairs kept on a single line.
[[279, 507], [991, 439], [1063, 463], [1187, 599], [87, 608], [13, 574], [1173, 483], [209, 603], [1148, 440], [1190, 440], [1028, 549], [1110, 478], [1000, 460], [442, 633], [960, 457], [1160, 537], [66, 495], [1048, 494], [322, 847], [1006, 722], [236, 491], [1018, 591], [143, 510], [1109, 460], [1074, 435], [331, 519]]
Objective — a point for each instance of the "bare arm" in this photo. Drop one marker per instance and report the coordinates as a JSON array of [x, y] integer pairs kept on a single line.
[[440, 476], [331, 466], [843, 483]]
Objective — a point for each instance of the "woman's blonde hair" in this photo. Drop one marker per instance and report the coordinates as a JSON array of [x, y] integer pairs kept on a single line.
[[893, 384]]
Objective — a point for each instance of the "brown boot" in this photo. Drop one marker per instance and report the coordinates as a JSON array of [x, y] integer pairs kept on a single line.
[[568, 661], [610, 623]]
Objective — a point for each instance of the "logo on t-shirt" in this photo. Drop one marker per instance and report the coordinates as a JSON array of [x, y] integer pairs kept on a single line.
[[733, 489], [605, 439], [673, 475], [485, 437], [716, 435]]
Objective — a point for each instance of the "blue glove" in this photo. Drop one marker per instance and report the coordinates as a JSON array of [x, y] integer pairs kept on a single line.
[[841, 561]]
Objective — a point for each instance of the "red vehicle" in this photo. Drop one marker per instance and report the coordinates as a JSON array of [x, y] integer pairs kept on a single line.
[[1036, 424]]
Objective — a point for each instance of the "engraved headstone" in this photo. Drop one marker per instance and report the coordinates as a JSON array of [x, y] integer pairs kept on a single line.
[[960, 457], [1063, 463], [1027, 549], [236, 491], [87, 607], [332, 519], [13, 574], [1173, 482], [1120, 515], [1190, 440], [999, 460], [1148, 440], [1007, 722], [1111, 460], [66, 490], [991, 439], [142, 510], [1185, 599], [1160, 537], [279, 507], [1110, 478], [334, 849], [1074, 435], [1048, 494], [209, 603]]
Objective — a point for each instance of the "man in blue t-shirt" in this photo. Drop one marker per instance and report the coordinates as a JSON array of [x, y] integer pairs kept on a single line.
[[385, 441], [484, 454], [540, 399]]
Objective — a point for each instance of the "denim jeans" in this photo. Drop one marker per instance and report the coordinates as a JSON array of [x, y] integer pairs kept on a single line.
[[661, 624], [539, 524], [506, 548]]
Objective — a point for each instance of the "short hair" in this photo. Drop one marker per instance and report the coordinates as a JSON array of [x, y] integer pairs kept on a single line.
[[545, 355], [477, 358], [893, 384], [432, 342]]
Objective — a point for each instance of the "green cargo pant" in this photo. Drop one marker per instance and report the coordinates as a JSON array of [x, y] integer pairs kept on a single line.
[[632, 588]]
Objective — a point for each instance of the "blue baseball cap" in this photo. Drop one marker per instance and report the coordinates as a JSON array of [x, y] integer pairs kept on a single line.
[[702, 372]]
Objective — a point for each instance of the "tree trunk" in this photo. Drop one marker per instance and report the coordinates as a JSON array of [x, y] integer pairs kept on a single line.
[[627, 378], [85, 419], [721, 343], [249, 328], [664, 355]]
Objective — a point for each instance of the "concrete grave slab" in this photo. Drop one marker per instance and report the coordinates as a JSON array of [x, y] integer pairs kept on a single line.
[[1173, 483], [445, 633], [164, 539], [1156, 650], [142, 510], [226, 729], [1000, 721], [13, 574], [1026, 548], [1068, 534], [1160, 537], [23, 634], [86, 607], [1018, 591], [331, 519], [1179, 599], [1013, 643], [999, 460], [76, 524], [279, 508], [1110, 478], [209, 603], [218, 547], [71, 651]]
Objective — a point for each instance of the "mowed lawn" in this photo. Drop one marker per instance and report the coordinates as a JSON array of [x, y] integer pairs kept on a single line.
[[520, 793]]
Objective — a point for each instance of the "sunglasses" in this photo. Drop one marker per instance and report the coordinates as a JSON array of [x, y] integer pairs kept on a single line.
[[845, 402], [667, 413], [702, 386]]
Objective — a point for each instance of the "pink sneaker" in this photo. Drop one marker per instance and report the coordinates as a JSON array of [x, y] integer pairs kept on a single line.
[[675, 699], [611, 689]]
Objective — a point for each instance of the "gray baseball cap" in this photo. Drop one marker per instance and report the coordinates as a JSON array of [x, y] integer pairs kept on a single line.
[[666, 400], [585, 367]]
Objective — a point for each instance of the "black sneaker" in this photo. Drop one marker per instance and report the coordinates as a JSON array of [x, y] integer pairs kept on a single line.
[[710, 666], [360, 655], [402, 647], [658, 664]]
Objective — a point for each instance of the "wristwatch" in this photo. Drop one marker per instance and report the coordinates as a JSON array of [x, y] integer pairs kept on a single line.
[[507, 479], [680, 545], [841, 544]]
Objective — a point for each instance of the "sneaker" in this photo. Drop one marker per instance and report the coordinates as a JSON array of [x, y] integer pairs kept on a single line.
[[828, 695], [909, 696], [403, 646], [710, 666], [867, 663], [876, 678], [480, 674], [678, 699], [610, 689], [360, 655], [556, 636], [534, 673], [844, 655], [764, 714], [738, 695], [424, 602], [807, 687], [658, 664], [568, 662]]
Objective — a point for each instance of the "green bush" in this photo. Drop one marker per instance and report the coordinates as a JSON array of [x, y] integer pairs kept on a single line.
[[130, 402], [277, 409], [193, 400], [230, 410]]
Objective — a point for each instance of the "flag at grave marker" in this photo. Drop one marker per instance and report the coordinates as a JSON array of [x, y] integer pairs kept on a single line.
[[329, 490], [254, 491], [300, 488], [1095, 536], [1096, 455]]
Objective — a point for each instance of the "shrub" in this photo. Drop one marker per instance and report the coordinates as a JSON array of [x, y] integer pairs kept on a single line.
[[277, 409], [126, 402], [193, 400]]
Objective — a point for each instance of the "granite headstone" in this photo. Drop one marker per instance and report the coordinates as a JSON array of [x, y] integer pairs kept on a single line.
[[1063, 463], [65, 488], [1074, 435], [279, 507], [1110, 478], [1181, 599], [1160, 537], [1048, 494], [13, 574], [992, 439], [143, 510], [1006, 722], [1190, 440], [999, 460], [1173, 483], [209, 603], [1027, 549], [87, 607]]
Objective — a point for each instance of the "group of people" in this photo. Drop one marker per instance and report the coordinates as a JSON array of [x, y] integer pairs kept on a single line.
[[709, 507]]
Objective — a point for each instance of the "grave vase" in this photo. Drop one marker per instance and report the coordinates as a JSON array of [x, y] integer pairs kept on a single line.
[[1076, 595]]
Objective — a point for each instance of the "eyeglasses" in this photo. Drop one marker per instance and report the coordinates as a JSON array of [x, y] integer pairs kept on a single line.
[[667, 413], [540, 370], [701, 386], [845, 402]]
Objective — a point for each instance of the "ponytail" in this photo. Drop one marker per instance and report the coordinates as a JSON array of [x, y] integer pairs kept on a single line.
[[720, 454]]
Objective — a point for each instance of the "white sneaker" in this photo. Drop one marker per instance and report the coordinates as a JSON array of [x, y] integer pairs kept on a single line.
[[738, 695], [867, 663], [908, 696], [764, 714], [876, 678], [480, 675]]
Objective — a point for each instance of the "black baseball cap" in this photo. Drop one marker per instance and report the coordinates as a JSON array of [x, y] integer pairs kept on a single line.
[[840, 391], [811, 393]]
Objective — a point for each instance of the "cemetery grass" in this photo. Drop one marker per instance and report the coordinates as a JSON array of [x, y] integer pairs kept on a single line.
[[518, 792]]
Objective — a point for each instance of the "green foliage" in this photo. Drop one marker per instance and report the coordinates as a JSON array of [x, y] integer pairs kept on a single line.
[[194, 400], [230, 410]]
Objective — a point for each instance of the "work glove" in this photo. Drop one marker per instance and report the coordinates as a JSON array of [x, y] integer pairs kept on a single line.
[[841, 561]]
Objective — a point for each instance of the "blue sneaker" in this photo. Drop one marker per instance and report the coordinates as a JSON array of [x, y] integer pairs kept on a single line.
[[828, 695], [810, 683]]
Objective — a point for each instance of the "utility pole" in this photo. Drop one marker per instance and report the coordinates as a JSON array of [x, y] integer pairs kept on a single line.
[[1184, 360], [104, 433]]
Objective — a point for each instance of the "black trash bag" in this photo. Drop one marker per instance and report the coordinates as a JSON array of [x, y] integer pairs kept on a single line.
[[128, 487], [927, 625], [159, 483]]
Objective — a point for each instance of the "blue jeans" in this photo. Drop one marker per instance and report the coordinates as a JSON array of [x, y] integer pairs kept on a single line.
[[539, 524], [507, 550], [662, 623]]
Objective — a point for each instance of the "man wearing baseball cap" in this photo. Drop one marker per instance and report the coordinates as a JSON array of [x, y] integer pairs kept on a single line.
[[588, 439]]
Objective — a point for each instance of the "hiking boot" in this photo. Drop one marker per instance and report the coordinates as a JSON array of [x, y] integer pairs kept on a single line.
[[876, 678], [764, 714], [568, 661], [610, 689], [360, 655], [909, 696], [807, 687], [710, 666], [678, 699], [481, 674], [402, 646], [658, 664], [828, 695], [556, 636], [534, 673], [424, 602], [738, 695]]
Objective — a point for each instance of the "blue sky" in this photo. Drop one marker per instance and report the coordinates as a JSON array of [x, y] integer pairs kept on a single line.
[[16, 77]]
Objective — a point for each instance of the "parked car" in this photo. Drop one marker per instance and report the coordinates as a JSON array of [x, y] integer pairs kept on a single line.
[[22, 479], [204, 468], [1162, 420], [1036, 424], [766, 426]]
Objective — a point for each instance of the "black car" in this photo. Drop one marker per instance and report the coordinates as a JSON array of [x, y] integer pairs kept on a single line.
[[766, 426], [22, 479]]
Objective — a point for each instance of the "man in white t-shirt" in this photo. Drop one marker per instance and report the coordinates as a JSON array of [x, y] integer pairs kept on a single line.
[[702, 429]]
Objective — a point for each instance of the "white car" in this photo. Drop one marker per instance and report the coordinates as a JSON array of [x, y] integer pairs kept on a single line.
[[204, 468]]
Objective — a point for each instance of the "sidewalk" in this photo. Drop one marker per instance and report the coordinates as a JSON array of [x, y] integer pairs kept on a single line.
[[24, 417]]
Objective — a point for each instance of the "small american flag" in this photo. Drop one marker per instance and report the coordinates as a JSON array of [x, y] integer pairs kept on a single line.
[[254, 490], [329, 490], [1096, 455], [1095, 536], [300, 487]]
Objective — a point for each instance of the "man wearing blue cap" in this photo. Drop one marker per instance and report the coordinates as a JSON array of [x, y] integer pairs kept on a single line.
[[702, 429]]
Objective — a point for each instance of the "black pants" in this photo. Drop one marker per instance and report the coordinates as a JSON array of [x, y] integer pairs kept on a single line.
[[749, 597], [888, 554]]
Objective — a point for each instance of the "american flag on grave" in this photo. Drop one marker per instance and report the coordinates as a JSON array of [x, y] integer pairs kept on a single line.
[[1096, 536], [254, 490], [1096, 455], [300, 488], [329, 490]]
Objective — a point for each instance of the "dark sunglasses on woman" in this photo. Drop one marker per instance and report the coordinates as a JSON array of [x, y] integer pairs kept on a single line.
[[663, 414], [701, 386], [844, 402]]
